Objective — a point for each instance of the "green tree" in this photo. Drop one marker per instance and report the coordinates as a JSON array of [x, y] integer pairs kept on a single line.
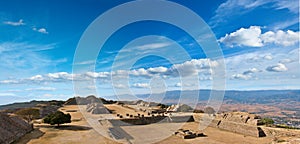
[[57, 118], [28, 114]]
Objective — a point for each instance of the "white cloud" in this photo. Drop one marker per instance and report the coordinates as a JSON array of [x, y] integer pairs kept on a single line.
[[241, 76], [229, 8], [291, 5], [41, 30], [98, 75], [285, 61], [7, 94], [141, 85], [280, 37], [41, 89], [268, 57], [19, 23], [252, 37], [185, 69], [9, 82], [25, 58], [277, 68], [158, 70], [153, 46], [192, 67], [244, 37], [178, 85], [246, 75], [250, 71], [119, 86]]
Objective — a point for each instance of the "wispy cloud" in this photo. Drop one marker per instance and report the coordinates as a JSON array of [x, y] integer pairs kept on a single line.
[[25, 56], [153, 46], [7, 94], [18, 23], [41, 89], [232, 8]]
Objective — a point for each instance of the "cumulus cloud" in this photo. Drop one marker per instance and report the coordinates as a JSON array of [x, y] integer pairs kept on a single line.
[[268, 57], [141, 85], [188, 68], [244, 37], [18, 23], [241, 76], [192, 67], [251, 71], [280, 37], [246, 75], [277, 68], [40, 30], [253, 37]]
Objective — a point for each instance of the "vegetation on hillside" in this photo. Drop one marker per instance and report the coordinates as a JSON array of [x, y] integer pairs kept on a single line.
[[266, 121]]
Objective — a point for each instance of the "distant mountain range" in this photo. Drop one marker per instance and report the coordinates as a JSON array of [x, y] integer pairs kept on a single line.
[[231, 96], [268, 97]]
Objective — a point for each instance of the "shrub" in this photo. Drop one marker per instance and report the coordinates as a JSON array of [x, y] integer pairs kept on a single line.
[[57, 118], [198, 111]]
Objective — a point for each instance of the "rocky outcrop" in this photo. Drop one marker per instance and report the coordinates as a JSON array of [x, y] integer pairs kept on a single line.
[[12, 128], [237, 122]]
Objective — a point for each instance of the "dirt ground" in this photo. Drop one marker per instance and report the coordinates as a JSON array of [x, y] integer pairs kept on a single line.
[[79, 132]]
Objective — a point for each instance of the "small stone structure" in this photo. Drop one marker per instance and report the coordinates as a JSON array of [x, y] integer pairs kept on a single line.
[[12, 128], [96, 108], [187, 134], [238, 122], [46, 109]]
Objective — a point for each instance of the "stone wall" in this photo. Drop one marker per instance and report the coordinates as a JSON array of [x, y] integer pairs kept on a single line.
[[157, 119], [237, 122], [12, 128]]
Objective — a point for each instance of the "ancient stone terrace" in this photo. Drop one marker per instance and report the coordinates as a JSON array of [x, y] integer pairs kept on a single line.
[[12, 128], [237, 122]]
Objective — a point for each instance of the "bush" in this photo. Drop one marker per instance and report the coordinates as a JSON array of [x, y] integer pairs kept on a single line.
[[57, 118], [162, 106], [198, 111]]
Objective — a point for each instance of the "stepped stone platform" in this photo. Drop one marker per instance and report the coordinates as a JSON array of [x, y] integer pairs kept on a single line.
[[12, 128], [237, 122]]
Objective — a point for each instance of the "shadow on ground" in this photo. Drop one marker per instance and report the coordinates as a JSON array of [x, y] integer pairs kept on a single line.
[[66, 127]]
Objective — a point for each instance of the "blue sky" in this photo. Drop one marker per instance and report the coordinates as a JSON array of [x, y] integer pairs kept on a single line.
[[38, 39]]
